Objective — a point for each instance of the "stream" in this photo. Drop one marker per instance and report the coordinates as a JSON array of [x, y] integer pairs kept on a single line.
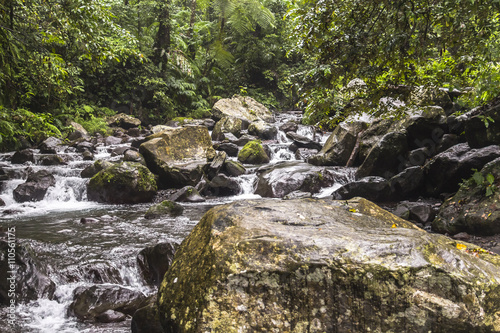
[[83, 254]]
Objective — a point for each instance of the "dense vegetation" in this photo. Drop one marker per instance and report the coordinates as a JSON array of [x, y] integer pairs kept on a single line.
[[85, 59]]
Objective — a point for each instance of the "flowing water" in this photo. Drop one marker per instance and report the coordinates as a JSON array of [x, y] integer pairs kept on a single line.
[[104, 251]]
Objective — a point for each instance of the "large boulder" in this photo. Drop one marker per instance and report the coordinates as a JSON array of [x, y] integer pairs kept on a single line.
[[23, 156], [253, 153], [227, 125], [154, 261], [482, 128], [123, 183], [123, 120], [303, 142], [446, 170], [35, 187], [245, 108], [164, 208], [178, 155], [384, 159], [262, 130], [325, 266], [339, 146], [30, 280], [475, 208], [276, 181], [424, 126], [51, 145], [372, 188], [90, 303]]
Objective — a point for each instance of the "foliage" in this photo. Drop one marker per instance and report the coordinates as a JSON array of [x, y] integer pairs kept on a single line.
[[452, 43]]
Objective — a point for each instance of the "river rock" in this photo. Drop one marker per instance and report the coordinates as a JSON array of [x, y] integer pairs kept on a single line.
[[112, 141], [234, 169], [243, 140], [23, 156], [35, 187], [178, 155], [483, 127], [372, 188], [325, 266], [154, 261], [31, 280], [470, 209], [91, 302], [416, 211], [276, 181], [131, 155], [371, 136], [164, 208], [303, 142], [94, 168], [78, 132], [407, 184], [384, 159], [424, 126], [253, 153], [304, 154], [186, 194], [245, 108], [227, 125], [446, 170], [222, 185], [126, 182], [123, 120], [88, 155], [51, 160], [146, 320], [339, 146], [230, 149], [289, 127], [51, 145], [216, 165], [262, 130]]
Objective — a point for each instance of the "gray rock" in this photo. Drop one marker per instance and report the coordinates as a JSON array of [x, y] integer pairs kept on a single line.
[[23, 156], [35, 187], [245, 108], [372, 188], [154, 261], [51, 146], [186, 194], [222, 185], [164, 208], [234, 169], [230, 149], [124, 121], [303, 142]]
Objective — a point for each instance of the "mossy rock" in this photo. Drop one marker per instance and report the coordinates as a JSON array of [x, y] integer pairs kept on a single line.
[[123, 183], [165, 208], [253, 153], [311, 265]]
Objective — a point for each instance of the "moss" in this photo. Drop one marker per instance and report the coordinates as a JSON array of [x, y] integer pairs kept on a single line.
[[183, 120], [253, 153]]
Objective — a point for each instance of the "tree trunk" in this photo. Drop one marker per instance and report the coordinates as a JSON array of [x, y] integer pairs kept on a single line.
[[192, 46], [162, 39]]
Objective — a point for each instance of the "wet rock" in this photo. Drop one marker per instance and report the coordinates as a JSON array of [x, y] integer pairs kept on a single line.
[[154, 261], [291, 265], [94, 168], [407, 184], [244, 108], [216, 165], [234, 169], [31, 281], [137, 142], [35, 187], [297, 195], [227, 125], [339, 146], [112, 141], [78, 132], [2, 203], [186, 194], [230, 149], [418, 157], [85, 146], [446, 170], [372, 188], [303, 142], [165, 208], [384, 159], [243, 140], [126, 182], [23, 156], [480, 131], [124, 121], [119, 151], [110, 316], [91, 302], [51, 160], [262, 130], [463, 236], [131, 155], [51, 146], [424, 126], [178, 155], [86, 220], [472, 209], [87, 155], [253, 153], [371, 136], [222, 185], [209, 123], [289, 127], [276, 181], [447, 141], [305, 153], [146, 320], [420, 212], [456, 124], [133, 132]]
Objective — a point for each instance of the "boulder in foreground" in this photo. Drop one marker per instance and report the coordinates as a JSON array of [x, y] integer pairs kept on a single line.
[[325, 266]]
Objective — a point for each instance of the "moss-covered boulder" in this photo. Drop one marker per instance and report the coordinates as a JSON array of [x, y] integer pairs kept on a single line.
[[325, 266], [178, 155], [253, 153], [164, 208], [245, 108], [123, 120], [475, 208], [123, 183], [227, 125]]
